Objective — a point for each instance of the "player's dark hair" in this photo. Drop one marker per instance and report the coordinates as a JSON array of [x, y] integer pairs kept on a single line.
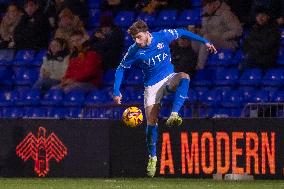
[[138, 26]]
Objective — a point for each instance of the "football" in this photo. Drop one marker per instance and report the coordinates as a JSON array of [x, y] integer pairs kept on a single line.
[[132, 117]]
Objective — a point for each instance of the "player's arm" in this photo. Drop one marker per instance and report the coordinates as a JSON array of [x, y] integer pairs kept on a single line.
[[126, 63], [172, 34]]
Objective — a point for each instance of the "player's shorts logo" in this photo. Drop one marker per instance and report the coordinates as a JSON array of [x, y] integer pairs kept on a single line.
[[41, 149]]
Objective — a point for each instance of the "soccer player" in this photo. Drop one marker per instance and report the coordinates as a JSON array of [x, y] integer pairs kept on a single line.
[[151, 53]]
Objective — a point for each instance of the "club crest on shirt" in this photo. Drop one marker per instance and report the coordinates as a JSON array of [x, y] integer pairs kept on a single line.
[[160, 45]]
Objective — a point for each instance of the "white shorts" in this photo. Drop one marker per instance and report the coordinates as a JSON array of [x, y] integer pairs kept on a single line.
[[154, 94]]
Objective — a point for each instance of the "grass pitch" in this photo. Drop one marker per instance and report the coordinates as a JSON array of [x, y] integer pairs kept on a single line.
[[136, 183]]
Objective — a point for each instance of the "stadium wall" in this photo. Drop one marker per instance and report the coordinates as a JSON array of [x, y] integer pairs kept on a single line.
[[104, 148]]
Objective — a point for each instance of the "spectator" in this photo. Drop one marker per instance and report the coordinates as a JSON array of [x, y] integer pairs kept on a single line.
[[262, 45], [68, 23], [109, 41], [112, 5], [242, 9], [184, 58], [54, 65], [8, 24], [84, 70], [278, 8], [220, 26], [32, 32]]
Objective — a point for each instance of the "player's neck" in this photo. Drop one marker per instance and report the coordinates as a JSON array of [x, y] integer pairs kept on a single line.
[[150, 38]]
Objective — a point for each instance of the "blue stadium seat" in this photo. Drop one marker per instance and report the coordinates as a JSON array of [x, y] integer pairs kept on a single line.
[[135, 77], [233, 99], [278, 97], [148, 18], [14, 112], [223, 90], [94, 4], [166, 18], [273, 77], [32, 112], [247, 93], [189, 17], [124, 18], [25, 76], [8, 98], [95, 97], [192, 96], [211, 98], [238, 57], [53, 97], [200, 91], [24, 57], [108, 77], [260, 96], [56, 112], [202, 78], [28, 97], [74, 98], [271, 91], [6, 56], [5, 73], [127, 40], [222, 58], [74, 113], [280, 59], [251, 77], [195, 3], [282, 36], [94, 18], [227, 77]]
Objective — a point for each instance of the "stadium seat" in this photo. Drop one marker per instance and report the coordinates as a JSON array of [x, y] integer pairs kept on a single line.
[[108, 77], [192, 96], [94, 18], [200, 92], [94, 4], [188, 17], [227, 77], [53, 97], [280, 59], [25, 76], [237, 57], [95, 97], [202, 78], [28, 97], [6, 56], [278, 97], [135, 77], [14, 112], [74, 98], [271, 91], [127, 40], [56, 112], [273, 77], [282, 36], [211, 98], [247, 93], [195, 3], [124, 18], [8, 98], [223, 90], [148, 18], [233, 99], [260, 96], [74, 113], [166, 18], [24, 57], [251, 77], [222, 58], [32, 112]]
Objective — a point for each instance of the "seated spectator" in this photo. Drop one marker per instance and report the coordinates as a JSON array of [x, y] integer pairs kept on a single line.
[[261, 47], [108, 40], [220, 26], [54, 65], [278, 8], [84, 70], [8, 24], [184, 58], [113, 6], [32, 32], [68, 23], [155, 5]]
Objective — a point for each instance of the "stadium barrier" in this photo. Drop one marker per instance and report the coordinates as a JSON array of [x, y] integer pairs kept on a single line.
[[106, 148]]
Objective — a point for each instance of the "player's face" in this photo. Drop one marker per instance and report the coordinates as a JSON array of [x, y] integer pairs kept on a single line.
[[142, 39]]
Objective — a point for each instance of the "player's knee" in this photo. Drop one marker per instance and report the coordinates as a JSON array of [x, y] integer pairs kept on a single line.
[[152, 120], [183, 75]]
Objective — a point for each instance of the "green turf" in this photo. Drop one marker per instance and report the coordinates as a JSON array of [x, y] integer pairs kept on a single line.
[[155, 183]]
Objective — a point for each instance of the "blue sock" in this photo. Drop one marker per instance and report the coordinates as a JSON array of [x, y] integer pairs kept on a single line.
[[181, 94], [151, 139]]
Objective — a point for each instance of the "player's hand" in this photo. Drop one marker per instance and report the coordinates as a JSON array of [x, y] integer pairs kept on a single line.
[[211, 48], [117, 99]]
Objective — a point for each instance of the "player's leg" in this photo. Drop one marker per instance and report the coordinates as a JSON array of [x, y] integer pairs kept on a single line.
[[180, 84], [152, 113]]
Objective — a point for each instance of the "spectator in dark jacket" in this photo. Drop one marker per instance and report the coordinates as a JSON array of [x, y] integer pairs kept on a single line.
[[32, 32], [108, 40], [261, 47], [84, 70]]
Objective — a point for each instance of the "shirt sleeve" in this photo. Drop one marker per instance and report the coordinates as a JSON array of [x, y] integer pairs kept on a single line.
[[128, 60], [172, 34]]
